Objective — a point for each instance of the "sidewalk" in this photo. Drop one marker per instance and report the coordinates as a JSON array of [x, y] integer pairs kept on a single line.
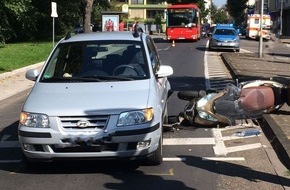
[[15, 82], [274, 63]]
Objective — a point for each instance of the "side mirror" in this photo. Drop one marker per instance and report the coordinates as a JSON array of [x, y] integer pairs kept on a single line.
[[164, 71], [32, 74]]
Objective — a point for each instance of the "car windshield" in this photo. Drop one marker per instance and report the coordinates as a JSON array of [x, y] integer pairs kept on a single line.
[[97, 61], [224, 32]]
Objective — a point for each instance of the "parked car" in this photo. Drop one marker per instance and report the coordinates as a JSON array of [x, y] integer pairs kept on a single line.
[[225, 36], [99, 95]]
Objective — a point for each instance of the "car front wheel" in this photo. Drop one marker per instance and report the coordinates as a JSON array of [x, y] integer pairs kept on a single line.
[[157, 157]]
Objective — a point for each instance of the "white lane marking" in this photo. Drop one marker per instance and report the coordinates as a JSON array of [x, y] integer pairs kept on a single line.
[[188, 141], [182, 159], [243, 147], [220, 147], [228, 138], [223, 159], [9, 144], [165, 49], [206, 73]]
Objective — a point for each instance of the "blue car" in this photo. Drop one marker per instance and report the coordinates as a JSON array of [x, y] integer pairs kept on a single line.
[[225, 36]]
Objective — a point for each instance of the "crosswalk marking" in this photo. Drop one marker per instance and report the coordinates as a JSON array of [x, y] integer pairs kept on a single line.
[[182, 159], [188, 141], [243, 147], [216, 74], [223, 159]]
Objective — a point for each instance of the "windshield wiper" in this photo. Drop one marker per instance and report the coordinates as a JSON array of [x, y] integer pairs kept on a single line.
[[70, 79], [93, 78], [101, 77]]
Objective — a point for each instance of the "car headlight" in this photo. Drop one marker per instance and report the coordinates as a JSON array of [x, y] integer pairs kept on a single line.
[[34, 120], [135, 117]]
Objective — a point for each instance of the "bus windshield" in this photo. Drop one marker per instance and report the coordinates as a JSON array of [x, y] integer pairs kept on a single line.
[[181, 17]]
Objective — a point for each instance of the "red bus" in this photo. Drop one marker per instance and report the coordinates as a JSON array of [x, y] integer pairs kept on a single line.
[[183, 22]]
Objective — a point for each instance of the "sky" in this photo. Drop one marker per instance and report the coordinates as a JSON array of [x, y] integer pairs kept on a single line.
[[219, 3]]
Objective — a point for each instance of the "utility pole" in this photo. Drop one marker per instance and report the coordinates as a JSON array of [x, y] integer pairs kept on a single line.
[[281, 14], [261, 30]]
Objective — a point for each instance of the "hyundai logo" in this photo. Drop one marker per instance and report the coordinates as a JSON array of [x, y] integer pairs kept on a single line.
[[83, 123]]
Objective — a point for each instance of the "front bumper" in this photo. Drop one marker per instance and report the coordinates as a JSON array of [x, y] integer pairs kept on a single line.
[[224, 45], [47, 144]]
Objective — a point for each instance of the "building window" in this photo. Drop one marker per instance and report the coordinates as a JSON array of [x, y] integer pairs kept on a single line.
[[137, 2], [152, 13], [122, 1]]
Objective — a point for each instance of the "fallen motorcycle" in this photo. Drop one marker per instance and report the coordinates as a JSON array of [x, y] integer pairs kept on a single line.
[[247, 100]]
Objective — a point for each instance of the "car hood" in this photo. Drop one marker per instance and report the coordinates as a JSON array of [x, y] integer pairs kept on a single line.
[[55, 99], [225, 37]]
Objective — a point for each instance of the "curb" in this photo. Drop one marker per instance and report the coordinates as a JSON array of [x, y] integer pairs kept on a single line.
[[21, 70], [277, 138]]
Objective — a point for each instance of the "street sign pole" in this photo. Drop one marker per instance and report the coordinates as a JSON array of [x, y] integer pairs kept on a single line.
[[53, 15], [261, 30]]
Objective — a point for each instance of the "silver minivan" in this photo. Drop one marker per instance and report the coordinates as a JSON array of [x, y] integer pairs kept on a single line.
[[99, 95]]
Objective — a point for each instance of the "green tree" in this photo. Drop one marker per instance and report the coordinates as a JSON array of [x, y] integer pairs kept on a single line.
[[236, 9], [16, 19], [220, 16], [204, 12]]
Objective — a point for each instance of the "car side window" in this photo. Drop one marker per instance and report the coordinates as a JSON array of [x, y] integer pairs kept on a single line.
[[155, 61]]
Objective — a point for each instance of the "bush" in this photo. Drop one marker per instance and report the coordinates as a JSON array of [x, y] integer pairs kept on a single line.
[[2, 41]]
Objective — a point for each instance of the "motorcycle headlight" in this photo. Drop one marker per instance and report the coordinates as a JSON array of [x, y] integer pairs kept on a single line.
[[34, 120], [205, 99], [135, 117], [206, 116]]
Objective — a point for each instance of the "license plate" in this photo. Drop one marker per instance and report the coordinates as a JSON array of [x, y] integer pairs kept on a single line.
[[181, 38]]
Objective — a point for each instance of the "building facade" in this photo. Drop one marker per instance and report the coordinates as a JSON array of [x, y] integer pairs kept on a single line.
[[147, 9], [279, 10]]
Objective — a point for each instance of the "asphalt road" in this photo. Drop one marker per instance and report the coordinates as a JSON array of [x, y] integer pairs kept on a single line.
[[195, 157]]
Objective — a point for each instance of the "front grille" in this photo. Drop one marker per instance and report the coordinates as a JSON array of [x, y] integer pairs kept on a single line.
[[85, 148], [99, 122]]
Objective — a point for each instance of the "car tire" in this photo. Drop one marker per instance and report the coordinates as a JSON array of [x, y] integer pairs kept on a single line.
[[237, 50], [157, 157]]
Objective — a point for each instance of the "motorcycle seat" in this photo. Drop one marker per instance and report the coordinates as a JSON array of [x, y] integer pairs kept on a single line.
[[257, 98]]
